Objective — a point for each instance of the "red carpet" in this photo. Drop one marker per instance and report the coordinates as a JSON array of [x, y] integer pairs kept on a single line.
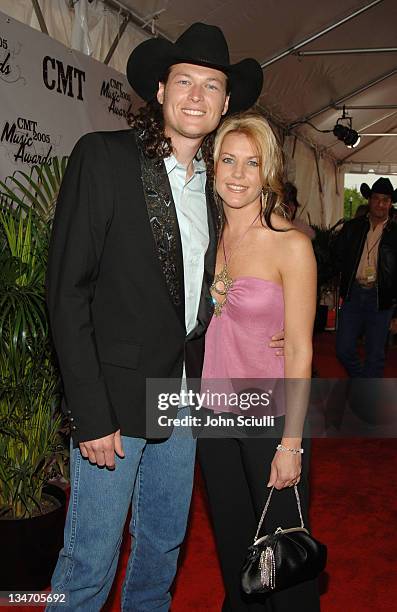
[[353, 510], [354, 506]]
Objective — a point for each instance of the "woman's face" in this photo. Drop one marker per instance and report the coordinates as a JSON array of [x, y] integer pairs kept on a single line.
[[237, 173]]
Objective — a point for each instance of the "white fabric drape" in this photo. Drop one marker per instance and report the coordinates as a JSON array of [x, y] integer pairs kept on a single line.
[[89, 27], [80, 37], [323, 207]]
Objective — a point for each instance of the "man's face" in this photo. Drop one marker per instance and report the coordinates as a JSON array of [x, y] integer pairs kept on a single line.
[[379, 205], [193, 99]]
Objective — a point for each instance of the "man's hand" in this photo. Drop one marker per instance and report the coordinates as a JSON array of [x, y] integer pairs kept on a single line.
[[102, 451], [393, 326], [277, 341]]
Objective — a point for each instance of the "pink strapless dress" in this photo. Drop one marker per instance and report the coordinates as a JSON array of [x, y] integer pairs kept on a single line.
[[236, 343]]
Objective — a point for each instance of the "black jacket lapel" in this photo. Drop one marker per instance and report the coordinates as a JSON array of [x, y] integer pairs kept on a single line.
[[164, 223]]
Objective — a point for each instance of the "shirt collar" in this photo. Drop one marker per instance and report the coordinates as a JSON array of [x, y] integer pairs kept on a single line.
[[379, 225], [171, 163]]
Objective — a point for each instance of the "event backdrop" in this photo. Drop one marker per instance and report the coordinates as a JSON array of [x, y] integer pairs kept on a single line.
[[50, 96]]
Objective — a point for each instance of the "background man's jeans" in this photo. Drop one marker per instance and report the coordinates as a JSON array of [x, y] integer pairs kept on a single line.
[[360, 315], [159, 476]]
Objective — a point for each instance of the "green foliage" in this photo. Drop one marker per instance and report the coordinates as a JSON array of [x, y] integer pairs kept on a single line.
[[356, 201], [30, 425], [322, 246]]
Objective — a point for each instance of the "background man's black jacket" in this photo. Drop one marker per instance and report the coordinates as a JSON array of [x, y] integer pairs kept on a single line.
[[348, 248], [115, 285]]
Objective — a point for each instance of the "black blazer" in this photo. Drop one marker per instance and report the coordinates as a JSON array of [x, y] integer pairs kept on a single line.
[[115, 285]]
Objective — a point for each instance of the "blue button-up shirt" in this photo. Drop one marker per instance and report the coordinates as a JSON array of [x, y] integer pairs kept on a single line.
[[191, 210]]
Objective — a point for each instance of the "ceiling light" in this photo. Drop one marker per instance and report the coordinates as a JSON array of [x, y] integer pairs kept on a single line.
[[347, 135], [343, 131]]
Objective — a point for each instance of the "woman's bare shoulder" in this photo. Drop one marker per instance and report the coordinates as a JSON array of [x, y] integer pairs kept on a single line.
[[290, 242], [289, 235]]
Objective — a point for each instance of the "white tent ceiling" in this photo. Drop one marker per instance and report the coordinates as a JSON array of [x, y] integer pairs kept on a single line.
[[297, 87]]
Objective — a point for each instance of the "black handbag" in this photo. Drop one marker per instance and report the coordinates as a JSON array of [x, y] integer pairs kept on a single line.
[[282, 559]]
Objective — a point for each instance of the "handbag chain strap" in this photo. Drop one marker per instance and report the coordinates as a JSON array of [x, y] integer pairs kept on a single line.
[[298, 501]]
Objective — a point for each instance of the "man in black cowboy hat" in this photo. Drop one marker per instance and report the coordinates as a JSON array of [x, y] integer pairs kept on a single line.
[[366, 254], [131, 260]]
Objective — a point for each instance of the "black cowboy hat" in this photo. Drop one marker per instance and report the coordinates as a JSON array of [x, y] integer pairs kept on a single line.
[[200, 44], [382, 185]]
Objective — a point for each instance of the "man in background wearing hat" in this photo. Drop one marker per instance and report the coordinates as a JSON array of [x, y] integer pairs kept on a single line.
[[291, 203], [366, 255], [131, 260]]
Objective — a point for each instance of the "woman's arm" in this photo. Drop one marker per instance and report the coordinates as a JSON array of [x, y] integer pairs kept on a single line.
[[299, 276]]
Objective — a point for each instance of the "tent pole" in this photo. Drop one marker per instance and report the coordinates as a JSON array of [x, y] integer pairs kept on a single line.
[[336, 172], [114, 44], [40, 17], [374, 107], [372, 165], [135, 19], [355, 151], [353, 93], [379, 120], [346, 51], [310, 39], [365, 127], [320, 186], [288, 132]]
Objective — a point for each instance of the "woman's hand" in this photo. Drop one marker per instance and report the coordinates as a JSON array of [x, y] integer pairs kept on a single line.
[[285, 469]]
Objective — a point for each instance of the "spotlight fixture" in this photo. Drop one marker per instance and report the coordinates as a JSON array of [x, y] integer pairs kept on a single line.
[[343, 131]]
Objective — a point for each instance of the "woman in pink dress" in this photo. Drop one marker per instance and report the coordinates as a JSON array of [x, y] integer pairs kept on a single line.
[[265, 280]]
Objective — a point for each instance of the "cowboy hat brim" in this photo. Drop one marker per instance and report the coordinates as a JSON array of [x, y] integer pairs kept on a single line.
[[366, 191], [150, 60]]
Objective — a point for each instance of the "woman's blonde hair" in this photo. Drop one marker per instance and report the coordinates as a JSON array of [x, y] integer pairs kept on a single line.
[[259, 132]]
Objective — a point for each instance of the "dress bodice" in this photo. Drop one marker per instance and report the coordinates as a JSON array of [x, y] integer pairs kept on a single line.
[[236, 344]]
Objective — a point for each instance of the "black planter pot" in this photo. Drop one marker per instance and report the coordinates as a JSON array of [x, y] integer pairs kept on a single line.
[[30, 547], [321, 318]]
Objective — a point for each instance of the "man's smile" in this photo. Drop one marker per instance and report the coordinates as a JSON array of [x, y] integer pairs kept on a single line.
[[193, 112]]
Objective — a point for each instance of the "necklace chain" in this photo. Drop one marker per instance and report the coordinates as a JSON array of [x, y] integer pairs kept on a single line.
[[227, 259], [223, 282]]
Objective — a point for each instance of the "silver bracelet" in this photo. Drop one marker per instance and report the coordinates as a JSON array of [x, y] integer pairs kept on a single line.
[[295, 451]]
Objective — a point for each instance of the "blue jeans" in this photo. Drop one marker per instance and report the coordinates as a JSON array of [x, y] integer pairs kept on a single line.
[[158, 477], [359, 316]]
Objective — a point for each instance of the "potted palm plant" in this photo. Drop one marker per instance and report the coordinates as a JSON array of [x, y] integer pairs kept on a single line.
[[31, 446], [326, 272]]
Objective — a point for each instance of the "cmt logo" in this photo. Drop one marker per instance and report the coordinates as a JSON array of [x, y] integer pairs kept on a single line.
[[68, 82]]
